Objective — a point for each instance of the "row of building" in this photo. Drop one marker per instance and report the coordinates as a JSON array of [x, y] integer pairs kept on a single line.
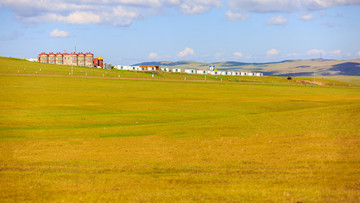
[[87, 59], [212, 71], [77, 59], [217, 72], [137, 68]]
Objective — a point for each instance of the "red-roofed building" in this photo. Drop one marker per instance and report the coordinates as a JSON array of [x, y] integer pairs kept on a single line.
[[52, 58], [59, 58], [43, 58], [76, 59]]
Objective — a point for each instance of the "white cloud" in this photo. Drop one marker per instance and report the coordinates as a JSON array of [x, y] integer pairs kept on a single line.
[[336, 52], [307, 17], [233, 16], [315, 52], [272, 52], [185, 52], [80, 18], [271, 6], [358, 53], [261, 6], [264, 6], [124, 12], [111, 12], [153, 55], [59, 33], [238, 54], [278, 20]]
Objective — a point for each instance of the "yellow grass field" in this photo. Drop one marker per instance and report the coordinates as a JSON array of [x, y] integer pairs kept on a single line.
[[69, 139]]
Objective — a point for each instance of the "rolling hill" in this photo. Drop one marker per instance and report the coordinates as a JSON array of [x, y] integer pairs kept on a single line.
[[321, 67]]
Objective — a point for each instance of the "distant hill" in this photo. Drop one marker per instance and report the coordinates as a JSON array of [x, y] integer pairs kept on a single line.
[[324, 67]]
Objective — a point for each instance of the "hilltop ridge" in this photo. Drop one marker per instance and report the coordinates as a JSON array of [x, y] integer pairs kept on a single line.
[[323, 67]]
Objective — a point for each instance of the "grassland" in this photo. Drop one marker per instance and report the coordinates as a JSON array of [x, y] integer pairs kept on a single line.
[[72, 139]]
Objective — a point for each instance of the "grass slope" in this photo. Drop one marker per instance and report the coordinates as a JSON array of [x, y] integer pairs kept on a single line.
[[68, 139], [23, 67]]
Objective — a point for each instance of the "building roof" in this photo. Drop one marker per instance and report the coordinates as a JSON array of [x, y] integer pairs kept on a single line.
[[73, 53], [51, 53], [58, 53], [80, 53], [100, 58], [65, 53], [89, 53], [43, 53]]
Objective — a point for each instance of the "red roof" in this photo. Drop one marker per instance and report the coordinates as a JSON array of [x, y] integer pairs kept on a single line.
[[89, 53], [51, 53], [58, 53], [65, 53], [73, 53], [43, 53], [80, 53]]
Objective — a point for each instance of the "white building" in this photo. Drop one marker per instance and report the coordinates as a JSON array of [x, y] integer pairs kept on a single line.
[[214, 73], [201, 72], [176, 70], [32, 60], [151, 68], [190, 71]]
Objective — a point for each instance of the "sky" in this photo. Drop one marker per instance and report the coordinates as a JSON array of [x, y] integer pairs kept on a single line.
[[125, 32]]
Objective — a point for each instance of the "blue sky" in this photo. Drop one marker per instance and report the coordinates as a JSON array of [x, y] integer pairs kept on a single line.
[[132, 31]]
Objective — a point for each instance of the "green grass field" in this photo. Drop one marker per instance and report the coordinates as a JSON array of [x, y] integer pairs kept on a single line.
[[71, 139]]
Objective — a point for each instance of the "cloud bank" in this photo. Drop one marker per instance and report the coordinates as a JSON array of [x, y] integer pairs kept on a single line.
[[111, 12], [278, 20], [241, 7], [124, 12]]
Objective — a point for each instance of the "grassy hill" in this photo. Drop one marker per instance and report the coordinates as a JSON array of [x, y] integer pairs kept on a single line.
[[103, 139], [321, 67], [23, 67]]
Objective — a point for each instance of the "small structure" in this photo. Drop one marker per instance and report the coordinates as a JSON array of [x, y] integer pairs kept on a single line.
[[32, 60], [142, 69], [150, 67], [176, 70], [201, 72], [214, 72], [190, 71]]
